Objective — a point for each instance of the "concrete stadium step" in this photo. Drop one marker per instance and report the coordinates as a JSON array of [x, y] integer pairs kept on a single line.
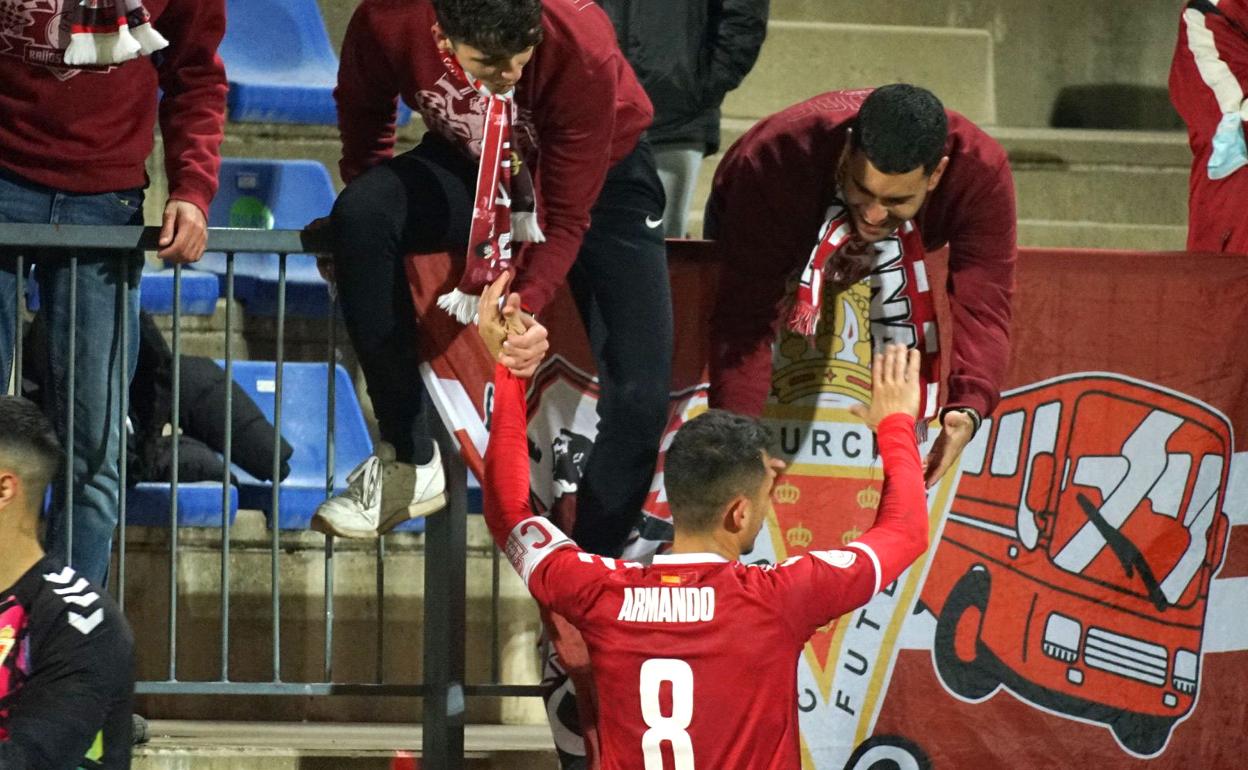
[[1118, 177], [802, 59], [1101, 235], [1095, 193], [1068, 145], [202, 745], [372, 641], [1039, 47]]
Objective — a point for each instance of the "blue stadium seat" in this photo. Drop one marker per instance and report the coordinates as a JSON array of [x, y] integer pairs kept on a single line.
[[272, 194], [199, 504], [303, 426], [280, 63], [199, 292]]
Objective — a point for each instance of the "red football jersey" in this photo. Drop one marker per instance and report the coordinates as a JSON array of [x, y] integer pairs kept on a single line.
[[695, 657]]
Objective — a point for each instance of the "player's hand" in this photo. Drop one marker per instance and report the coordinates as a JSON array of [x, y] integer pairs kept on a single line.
[[894, 385], [957, 429], [324, 262], [513, 337], [183, 232]]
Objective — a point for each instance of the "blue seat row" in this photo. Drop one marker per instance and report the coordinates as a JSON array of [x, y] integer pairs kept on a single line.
[[199, 291], [280, 63], [304, 426]]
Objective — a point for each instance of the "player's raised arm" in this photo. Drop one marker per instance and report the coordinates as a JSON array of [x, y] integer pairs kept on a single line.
[[823, 585], [899, 535], [507, 457]]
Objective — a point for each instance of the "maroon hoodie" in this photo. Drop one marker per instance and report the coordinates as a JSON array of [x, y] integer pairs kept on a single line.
[[770, 196], [581, 110], [90, 130]]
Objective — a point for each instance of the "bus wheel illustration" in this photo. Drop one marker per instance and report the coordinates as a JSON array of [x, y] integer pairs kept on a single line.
[[957, 646], [1142, 733], [888, 752]]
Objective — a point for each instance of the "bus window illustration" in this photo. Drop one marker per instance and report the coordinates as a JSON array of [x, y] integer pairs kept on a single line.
[[1075, 562]]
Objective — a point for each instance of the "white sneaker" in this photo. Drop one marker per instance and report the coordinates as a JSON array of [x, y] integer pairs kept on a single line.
[[356, 511], [381, 494], [409, 491]]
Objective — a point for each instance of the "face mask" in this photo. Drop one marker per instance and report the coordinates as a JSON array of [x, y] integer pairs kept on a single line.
[[1229, 151]]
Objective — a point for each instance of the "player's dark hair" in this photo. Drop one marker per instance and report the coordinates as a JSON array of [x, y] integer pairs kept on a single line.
[[28, 445], [714, 457], [901, 127], [498, 27]]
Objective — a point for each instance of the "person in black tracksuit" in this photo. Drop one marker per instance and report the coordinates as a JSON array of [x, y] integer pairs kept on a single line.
[[688, 54], [66, 652]]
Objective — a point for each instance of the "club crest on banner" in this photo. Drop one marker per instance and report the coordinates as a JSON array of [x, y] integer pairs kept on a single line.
[[828, 497]]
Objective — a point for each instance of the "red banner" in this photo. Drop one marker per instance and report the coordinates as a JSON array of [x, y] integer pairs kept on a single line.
[[1085, 599]]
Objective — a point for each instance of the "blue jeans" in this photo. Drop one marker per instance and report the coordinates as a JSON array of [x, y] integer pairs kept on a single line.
[[102, 371]]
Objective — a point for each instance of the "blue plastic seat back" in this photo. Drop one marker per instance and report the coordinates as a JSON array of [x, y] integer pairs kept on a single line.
[[199, 504], [276, 39], [272, 194], [304, 410], [280, 63]]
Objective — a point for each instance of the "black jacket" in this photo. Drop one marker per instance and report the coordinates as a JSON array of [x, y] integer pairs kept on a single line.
[[688, 54]]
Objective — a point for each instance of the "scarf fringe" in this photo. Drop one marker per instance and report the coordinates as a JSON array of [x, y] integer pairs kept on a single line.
[[86, 48], [150, 41], [524, 227], [462, 307], [803, 318]]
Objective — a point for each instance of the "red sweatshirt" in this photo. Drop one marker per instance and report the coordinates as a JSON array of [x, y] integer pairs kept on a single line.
[[721, 637], [90, 130], [579, 102], [1208, 77], [770, 197]]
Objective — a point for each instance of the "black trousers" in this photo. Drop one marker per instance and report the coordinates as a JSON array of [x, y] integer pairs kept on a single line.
[[422, 201]]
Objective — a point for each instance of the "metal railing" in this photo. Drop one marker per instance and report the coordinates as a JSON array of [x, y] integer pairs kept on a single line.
[[443, 686]]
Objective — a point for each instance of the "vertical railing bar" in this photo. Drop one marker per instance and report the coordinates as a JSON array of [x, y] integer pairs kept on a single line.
[[331, 412], [496, 665], [381, 607], [228, 451], [277, 468], [71, 388], [176, 420], [19, 311], [123, 396], [442, 741]]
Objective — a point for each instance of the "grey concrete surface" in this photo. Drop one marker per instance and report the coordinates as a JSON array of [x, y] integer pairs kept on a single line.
[[802, 59], [235, 745]]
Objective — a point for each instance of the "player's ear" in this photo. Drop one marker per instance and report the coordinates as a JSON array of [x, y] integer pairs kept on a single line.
[[737, 514], [8, 489]]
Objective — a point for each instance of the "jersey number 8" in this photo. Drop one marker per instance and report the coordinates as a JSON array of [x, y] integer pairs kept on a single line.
[[672, 728]]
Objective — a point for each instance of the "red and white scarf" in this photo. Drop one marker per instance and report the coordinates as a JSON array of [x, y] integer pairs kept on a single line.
[[902, 309], [504, 205], [104, 32]]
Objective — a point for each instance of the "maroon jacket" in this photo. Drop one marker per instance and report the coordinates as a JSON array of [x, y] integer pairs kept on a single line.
[[581, 110], [770, 196], [90, 130]]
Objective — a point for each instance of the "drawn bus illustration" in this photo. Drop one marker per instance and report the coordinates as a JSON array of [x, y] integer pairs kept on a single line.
[[1076, 558]]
